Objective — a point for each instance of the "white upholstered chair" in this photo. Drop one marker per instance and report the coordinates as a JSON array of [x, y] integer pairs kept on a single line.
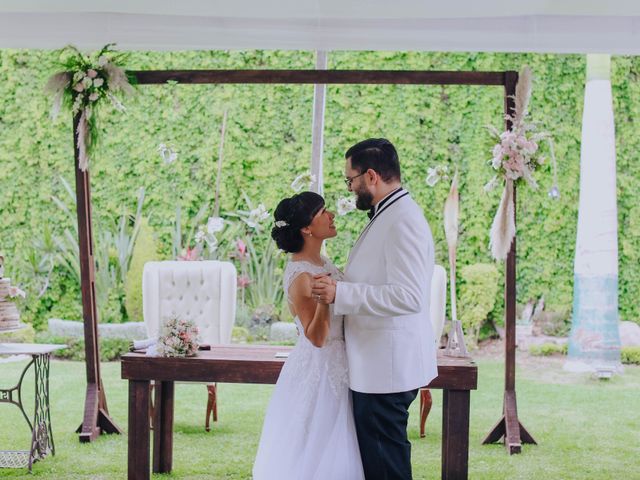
[[202, 291], [437, 312]]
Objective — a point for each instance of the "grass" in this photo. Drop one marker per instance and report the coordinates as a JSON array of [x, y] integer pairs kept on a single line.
[[586, 429]]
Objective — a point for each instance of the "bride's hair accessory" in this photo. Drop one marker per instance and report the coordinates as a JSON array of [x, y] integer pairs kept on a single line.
[[290, 216]]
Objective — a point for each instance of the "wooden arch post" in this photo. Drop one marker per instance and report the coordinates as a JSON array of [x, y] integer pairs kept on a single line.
[[96, 419], [509, 427]]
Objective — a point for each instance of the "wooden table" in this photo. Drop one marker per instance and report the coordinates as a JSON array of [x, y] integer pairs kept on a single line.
[[258, 364]]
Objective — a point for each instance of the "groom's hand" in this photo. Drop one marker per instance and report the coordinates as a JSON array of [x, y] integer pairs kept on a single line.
[[323, 289]]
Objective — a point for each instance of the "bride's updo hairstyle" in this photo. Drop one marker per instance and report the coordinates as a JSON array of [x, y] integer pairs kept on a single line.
[[291, 215]]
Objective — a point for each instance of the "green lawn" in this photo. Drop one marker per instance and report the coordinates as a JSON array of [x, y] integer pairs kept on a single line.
[[585, 428]]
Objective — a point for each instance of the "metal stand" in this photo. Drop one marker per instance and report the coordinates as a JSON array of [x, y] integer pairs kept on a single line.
[[41, 434]]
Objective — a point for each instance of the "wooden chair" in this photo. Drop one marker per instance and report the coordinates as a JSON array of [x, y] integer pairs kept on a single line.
[[203, 291], [437, 312]]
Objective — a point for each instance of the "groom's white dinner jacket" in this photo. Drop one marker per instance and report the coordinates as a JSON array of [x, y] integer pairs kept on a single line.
[[385, 297]]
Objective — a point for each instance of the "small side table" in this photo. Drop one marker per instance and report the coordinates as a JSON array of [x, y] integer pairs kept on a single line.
[[41, 434]]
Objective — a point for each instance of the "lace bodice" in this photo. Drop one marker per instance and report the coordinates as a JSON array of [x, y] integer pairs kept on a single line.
[[308, 362], [295, 268]]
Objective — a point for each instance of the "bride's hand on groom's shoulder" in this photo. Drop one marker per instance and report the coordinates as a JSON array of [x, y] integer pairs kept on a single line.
[[323, 288]]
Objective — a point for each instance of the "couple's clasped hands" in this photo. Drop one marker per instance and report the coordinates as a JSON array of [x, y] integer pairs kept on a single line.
[[323, 289]]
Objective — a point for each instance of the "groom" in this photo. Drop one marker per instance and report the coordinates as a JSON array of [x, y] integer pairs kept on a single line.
[[385, 298]]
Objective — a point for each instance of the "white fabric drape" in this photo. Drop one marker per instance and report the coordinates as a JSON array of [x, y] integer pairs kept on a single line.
[[570, 26]]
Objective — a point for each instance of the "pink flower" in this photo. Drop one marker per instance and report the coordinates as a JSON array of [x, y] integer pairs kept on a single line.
[[522, 142], [243, 281], [94, 96], [241, 247], [190, 255], [91, 73], [78, 87]]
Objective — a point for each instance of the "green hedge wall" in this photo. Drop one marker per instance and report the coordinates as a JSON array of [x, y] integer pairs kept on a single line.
[[269, 142]]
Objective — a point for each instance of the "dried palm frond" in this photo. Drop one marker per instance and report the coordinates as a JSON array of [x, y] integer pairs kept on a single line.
[[56, 86], [216, 201], [118, 79], [523, 94], [451, 213], [503, 228], [83, 141], [451, 225]]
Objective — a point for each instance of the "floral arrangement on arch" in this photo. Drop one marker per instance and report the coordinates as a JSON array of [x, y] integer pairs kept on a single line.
[[179, 338], [516, 156], [83, 85]]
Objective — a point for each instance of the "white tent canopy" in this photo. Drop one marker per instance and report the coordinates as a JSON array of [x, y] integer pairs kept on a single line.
[[565, 26]]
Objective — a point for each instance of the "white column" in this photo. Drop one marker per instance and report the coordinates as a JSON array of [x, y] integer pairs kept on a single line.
[[317, 139], [595, 339]]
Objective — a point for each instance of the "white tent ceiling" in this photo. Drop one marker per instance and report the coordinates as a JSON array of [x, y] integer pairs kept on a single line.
[[562, 26]]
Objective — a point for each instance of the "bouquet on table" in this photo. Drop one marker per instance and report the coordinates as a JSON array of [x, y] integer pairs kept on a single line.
[[179, 338]]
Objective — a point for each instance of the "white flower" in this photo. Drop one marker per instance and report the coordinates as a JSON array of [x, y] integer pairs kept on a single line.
[[77, 103], [437, 173], [302, 181], [212, 241], [98, 82], [346, 205], [102, 61], [492, 184], [167, 153], [257, 216], [281, 223], [432, 177], [200, 235], [496, 162], [94, 96], [117, 104], [214, 225], [87, 82]]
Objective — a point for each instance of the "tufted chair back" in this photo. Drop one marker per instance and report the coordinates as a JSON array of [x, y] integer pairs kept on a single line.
[[203, 291]]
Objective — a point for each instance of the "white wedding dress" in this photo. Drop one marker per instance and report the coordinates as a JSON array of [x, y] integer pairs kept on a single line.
[[308, 431]]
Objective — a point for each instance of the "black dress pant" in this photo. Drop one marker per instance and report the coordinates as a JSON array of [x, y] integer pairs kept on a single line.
[[381, 426]]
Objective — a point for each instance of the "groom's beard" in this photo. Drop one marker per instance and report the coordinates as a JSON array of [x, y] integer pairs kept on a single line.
[[364, 200]]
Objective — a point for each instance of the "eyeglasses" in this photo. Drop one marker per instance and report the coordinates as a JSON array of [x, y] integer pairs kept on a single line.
[[349, 180]]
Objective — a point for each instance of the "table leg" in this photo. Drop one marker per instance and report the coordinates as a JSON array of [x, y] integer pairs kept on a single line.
[[455, 434], [163, 428], [138, 458]]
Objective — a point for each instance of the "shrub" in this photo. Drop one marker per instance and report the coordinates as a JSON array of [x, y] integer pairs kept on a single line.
[[547, 349], [630, 355], [145, 250], [239, 335], [551, 323], [26, 335], [110, 348], [477, 297]]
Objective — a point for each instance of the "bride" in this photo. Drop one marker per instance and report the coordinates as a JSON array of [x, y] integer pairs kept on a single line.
[[309, 431]]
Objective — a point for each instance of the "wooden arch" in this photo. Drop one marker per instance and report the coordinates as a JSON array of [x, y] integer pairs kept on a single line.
[[96, 417]]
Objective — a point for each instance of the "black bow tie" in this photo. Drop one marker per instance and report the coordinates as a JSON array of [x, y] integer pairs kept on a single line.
[[371, 212]]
